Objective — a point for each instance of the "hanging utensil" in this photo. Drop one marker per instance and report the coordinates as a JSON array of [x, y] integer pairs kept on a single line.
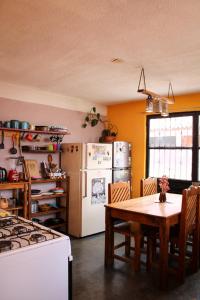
[[13, 150], [2, 140], [50, 159], [20, 159]]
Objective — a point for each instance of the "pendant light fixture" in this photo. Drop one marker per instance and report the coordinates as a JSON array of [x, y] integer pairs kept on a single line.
[[149, 104], [156, 103]]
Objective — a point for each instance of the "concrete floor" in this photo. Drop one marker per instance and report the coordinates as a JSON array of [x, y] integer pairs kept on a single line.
[[91, 281]]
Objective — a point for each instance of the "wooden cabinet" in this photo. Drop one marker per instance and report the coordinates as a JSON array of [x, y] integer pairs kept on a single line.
[[19, 192], [59, 210]]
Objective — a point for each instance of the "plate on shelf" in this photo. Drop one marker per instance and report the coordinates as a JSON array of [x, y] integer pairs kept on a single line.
[[47, 193], [36, 195], [58, 192]]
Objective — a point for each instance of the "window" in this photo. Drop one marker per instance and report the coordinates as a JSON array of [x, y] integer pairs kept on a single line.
[[173, 147]]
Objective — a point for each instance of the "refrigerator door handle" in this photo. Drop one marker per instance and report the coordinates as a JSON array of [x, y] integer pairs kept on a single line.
[[84, 184]]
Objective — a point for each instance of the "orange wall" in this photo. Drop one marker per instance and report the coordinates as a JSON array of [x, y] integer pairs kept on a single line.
[[131, 122]]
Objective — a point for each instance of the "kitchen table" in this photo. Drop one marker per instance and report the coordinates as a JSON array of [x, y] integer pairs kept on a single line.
[[145, 210]]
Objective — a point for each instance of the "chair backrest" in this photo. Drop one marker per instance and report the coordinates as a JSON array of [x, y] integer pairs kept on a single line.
[[148, 186], [190, 216], [118, 191]]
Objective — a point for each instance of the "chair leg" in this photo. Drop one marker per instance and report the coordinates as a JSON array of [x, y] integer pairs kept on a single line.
[[136, 259], [181, 271], [195, 254], [172, 247], [149, 253], [127, 245]]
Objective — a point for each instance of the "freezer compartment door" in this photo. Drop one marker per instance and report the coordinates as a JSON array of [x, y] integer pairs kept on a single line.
[[121, 155], [121, 175], [95, 196], [98, 156]]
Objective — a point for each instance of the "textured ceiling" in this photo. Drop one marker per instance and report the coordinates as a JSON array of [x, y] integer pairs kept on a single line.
[[66, 46]]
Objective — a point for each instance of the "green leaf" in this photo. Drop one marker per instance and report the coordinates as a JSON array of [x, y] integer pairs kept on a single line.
[[106, 132], [84, 125], [114, 133], [94, 109], [98, 116], [94, 122], [87, 119]]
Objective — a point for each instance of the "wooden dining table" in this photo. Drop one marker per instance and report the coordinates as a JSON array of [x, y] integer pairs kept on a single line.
[[145, 210]]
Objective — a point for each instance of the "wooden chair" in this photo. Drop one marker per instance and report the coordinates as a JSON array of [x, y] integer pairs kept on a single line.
[[188, 227], [120, 191], [148, 186]]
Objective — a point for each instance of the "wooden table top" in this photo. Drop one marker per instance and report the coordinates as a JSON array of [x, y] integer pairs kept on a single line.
[[150, 205]]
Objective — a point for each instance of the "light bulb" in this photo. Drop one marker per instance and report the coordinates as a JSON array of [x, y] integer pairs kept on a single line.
[[149, 104]]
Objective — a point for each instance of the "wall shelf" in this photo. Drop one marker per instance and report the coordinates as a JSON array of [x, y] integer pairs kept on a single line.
[[48, 212], [38, 198], [51, 132], [40, 151], [14, 208], [44, 180]]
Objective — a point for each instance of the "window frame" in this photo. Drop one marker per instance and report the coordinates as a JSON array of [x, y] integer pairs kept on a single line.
[[177, 185]]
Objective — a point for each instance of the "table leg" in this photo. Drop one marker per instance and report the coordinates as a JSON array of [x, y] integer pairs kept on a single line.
[[109, 239], [164, 240]]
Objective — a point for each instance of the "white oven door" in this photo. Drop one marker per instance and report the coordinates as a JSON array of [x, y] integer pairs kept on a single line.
[[95, 196], [36, 272]]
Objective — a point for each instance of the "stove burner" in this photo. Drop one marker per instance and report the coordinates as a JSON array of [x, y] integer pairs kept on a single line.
[[19, 229], [6, 222], [5, 246], [37, 237]]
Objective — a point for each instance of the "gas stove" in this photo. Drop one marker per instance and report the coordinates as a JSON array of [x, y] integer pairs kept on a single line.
[[16, 232], [30, 253]]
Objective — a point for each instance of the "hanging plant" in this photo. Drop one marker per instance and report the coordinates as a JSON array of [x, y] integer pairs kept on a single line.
[[92, 118], [109, 132]]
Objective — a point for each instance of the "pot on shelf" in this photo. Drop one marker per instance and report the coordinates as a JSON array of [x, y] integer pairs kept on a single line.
[[14, 124], [24, 125], [41, 128], [3, 175], [3, 203], [13, 175]]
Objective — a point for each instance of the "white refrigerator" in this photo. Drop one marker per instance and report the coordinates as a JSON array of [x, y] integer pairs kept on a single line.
[[90, 169]]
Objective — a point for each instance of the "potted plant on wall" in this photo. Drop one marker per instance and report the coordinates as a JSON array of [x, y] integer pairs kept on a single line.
[[92, 118], [109, 133]]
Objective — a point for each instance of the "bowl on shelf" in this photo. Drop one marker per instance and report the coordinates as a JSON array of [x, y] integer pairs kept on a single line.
[[44, 207], [35, 192]]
